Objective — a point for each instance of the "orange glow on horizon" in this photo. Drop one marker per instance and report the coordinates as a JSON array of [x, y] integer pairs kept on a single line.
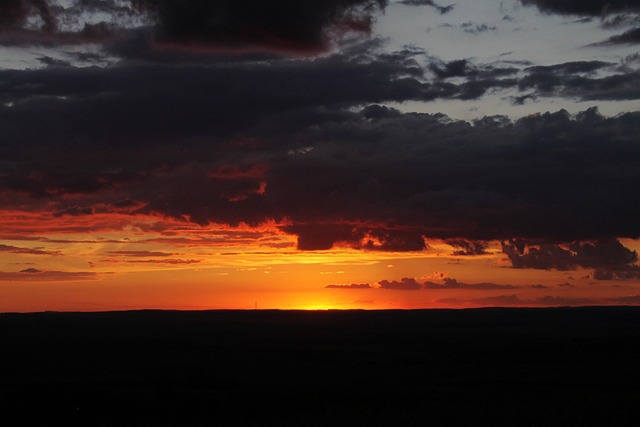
[[122, 261]]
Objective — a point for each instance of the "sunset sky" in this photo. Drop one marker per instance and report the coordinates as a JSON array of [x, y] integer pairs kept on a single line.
[[318, 154]]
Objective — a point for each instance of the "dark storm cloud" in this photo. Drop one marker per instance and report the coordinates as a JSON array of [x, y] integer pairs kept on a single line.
[[53, 62], [289, 24], [318, 236], [322, 236], [583, 7], [109, 102], [569, 67], [522, 99], [59, 25], [467, 247], [628, 37], [286, 25], [609, 258], [376, 179], [105, 6], [306, 143], [176, 98], [479, 79], [457, 68], [465, 68], [580, 80], [558, 82], [14, 13], [452, 179]]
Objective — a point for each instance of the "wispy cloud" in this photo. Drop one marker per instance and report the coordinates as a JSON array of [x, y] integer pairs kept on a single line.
[[26, 251], [37, 275]]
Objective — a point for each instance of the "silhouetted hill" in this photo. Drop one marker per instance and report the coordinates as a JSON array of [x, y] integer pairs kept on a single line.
[[567, 366]]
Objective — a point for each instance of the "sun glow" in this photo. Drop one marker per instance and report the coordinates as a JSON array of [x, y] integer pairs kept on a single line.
[[318, 307]]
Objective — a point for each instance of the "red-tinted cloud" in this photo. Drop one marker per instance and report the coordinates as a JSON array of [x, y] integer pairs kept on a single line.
[[141, 253], [230, 171], [409, 283], [36, 275], [164, 261], [405, 284], [26, 251]]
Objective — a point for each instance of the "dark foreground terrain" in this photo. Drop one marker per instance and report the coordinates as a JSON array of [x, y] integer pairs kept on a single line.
[[520, 367]]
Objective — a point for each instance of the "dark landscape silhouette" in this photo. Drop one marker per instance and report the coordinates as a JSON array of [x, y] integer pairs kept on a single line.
[[558, 366]]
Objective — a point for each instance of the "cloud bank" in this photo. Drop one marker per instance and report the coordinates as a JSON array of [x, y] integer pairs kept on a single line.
[[222, 136]]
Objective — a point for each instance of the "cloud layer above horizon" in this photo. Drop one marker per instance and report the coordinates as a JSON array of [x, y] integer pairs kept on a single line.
[[295, 113]]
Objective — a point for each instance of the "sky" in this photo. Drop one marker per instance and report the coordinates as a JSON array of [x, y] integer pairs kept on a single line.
[[334, 154]]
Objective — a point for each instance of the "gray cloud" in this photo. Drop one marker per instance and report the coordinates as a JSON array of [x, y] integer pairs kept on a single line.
[[14, 13], [579, 80], [474, 28], [628, 37]]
